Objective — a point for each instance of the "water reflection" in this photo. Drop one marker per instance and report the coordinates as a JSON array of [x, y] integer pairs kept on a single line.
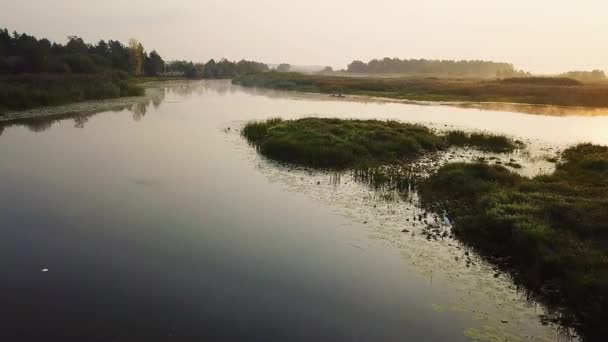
[[535, 109], [152, 232], [40, 120]]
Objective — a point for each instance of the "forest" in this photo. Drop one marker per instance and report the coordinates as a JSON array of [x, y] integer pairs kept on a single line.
[[22, 53], [463, 68]]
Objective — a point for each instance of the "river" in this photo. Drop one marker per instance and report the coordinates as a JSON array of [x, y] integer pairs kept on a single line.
[[154, 220]]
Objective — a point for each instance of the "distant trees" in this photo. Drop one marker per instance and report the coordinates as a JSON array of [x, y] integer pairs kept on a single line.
[[136, 57], [154, 64], [357, 67], [227, 69], [223, 69], [327, 70], [21, 53], [586, 76], [505, 73], [469, 68], [283, 67]]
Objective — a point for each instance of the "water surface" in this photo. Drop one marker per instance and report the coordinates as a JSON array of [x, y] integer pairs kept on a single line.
[[156, 221]]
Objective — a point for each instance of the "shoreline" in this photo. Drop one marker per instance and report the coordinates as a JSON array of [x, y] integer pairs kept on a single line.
[[468, 93], [510, 219]]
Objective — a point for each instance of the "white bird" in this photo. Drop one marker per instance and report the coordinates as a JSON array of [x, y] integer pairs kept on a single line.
[[45, 270], [446, 220]]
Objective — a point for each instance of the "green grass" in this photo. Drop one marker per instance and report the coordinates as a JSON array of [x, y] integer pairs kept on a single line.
[[341, 143], [29, 91], [553, 228], [482, 141], [550, 231], [533, 90]]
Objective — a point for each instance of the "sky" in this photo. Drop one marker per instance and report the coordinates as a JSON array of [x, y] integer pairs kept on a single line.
[[542, 36]]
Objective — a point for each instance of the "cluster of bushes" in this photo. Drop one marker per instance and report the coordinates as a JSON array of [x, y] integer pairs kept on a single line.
[[552, 228], [482, 141], [472, 68]]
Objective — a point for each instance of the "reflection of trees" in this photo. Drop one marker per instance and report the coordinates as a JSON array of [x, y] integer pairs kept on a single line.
[[139, 110], [156, 95], [188, 88], [39, 125], [80, 120], [138, 106]]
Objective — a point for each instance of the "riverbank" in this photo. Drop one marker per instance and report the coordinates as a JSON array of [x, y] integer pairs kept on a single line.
[[26, 91], [534, 90], [549, 232]]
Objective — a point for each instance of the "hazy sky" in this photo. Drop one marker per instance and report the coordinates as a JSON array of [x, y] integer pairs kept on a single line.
[[536, 35]]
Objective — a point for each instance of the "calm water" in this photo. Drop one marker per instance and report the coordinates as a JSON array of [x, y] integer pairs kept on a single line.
[[158, 222]]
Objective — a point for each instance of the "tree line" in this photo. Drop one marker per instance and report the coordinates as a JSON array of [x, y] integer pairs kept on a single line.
[[586, 76], [22, 53], [215, 70], [468, 68]]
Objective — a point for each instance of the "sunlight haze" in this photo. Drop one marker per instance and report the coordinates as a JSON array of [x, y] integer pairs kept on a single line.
[[540, 36]]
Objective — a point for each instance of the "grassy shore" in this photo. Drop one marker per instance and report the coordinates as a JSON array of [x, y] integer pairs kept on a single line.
[[29, 91], [550, 232], [339, 143], [533, 90], [552, 228]]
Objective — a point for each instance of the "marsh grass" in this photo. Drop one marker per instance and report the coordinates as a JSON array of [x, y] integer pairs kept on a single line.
[[29, 91], [552, 228], [482, 141], [532, 90], [362, 144]]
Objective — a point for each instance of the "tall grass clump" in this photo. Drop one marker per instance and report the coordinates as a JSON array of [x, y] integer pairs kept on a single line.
[[552, 228], [336, 143], [482, 141], [342, 143]]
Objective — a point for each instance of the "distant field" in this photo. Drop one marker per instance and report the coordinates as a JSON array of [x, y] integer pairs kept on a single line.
[[532, 90]]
